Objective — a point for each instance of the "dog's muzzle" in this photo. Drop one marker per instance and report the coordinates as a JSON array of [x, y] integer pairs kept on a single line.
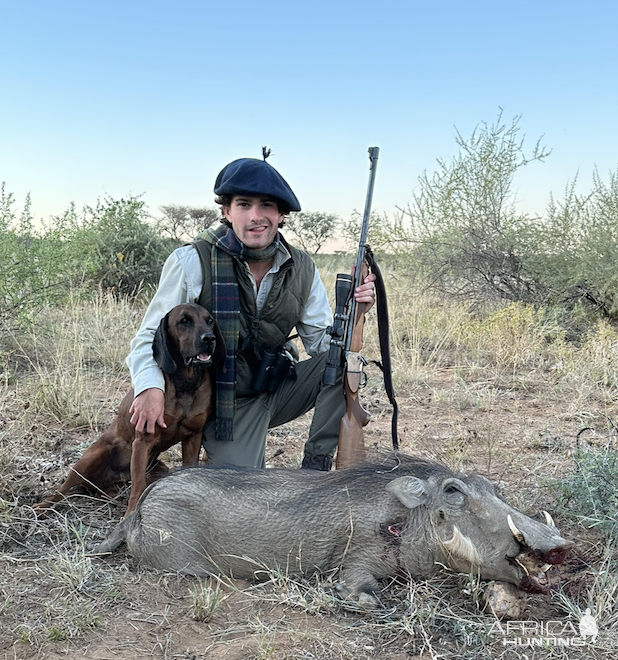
[[204, 358]]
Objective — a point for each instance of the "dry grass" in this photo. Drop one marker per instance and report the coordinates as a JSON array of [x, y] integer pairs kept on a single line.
[[505, 394]]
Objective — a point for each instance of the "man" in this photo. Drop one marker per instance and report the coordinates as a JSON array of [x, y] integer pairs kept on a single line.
[[258, 288]]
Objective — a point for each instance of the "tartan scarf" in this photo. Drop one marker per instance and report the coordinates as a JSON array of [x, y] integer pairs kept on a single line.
[[226, 310]]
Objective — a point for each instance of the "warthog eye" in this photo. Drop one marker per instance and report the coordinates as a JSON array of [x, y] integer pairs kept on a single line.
[[454, 496]]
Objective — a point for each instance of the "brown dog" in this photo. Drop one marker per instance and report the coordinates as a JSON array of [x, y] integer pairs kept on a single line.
[[185, 345]]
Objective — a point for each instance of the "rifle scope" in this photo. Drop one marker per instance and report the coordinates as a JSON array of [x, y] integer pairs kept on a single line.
[[343, 290]]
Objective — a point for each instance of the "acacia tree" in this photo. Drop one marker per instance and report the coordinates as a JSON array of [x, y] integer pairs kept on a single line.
[[312, 229], [182, 223], [473, 239], [384, 234], [462, 228]]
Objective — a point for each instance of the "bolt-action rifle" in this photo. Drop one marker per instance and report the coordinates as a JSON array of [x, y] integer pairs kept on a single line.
[[347, 342]]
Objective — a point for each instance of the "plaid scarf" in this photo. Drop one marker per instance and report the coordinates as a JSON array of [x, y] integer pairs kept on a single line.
[[226, 310]]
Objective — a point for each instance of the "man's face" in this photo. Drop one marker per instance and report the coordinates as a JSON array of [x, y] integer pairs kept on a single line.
[[255, 220]]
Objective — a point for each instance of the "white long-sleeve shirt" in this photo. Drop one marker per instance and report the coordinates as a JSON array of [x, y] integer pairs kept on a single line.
[[181, 282]]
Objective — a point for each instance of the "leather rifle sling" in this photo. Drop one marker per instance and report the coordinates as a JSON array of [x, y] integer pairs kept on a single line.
[[383, 335]]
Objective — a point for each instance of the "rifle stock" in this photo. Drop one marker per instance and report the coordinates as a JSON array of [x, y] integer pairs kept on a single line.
[[351, 448]]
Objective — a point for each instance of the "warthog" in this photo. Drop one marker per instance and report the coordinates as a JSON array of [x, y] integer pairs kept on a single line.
[[371, 522]]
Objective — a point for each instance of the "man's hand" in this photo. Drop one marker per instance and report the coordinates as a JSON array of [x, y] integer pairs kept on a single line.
[[365, 293], [147, 410]]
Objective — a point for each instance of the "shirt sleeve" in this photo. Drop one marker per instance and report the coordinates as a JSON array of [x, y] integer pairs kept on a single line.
[[315, 318], [180, 282]]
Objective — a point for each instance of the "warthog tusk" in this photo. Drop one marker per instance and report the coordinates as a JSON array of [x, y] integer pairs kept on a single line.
[[548, 519], [525, 570], [545, 567], [519, 537]]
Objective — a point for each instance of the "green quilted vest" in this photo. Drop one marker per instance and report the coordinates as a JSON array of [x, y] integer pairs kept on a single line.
[[270, 329]]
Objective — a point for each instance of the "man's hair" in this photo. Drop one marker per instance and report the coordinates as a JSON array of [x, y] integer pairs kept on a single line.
[[225, 201]]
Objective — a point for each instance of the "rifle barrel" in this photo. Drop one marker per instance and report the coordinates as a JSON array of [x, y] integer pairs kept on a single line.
[[374, 154]]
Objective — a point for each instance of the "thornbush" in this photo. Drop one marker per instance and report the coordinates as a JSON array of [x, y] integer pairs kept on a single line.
[[577, 248], [113, 246], [117, 247], [589, 493], [462, 226], [464, 235], [33, 265]]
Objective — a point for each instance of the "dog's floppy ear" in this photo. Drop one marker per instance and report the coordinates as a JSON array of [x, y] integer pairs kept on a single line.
[[220, 355], [161, 349]]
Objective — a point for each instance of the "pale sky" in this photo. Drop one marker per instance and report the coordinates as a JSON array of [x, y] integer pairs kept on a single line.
[[155, 97]]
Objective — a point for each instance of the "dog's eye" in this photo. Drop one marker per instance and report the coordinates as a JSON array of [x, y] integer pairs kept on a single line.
[[184, 320]]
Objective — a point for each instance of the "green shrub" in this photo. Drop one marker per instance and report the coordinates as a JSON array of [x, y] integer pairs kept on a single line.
[[117, 246], [32, 264], [589, 493], [462, 226], [577, 247], [113, 246]]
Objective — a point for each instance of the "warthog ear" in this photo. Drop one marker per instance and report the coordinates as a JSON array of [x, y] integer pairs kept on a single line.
[[410, 491]]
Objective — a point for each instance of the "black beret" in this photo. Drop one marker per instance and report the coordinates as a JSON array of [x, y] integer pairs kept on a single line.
[[250, 176]]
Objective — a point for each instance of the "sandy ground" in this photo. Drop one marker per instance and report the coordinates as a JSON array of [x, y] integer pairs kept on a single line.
[[56, 602]]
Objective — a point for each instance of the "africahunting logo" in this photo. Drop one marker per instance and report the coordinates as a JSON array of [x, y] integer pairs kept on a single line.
[[547, 633]]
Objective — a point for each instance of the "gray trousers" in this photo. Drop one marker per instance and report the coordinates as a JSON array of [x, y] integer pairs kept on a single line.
[[293, 398]]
